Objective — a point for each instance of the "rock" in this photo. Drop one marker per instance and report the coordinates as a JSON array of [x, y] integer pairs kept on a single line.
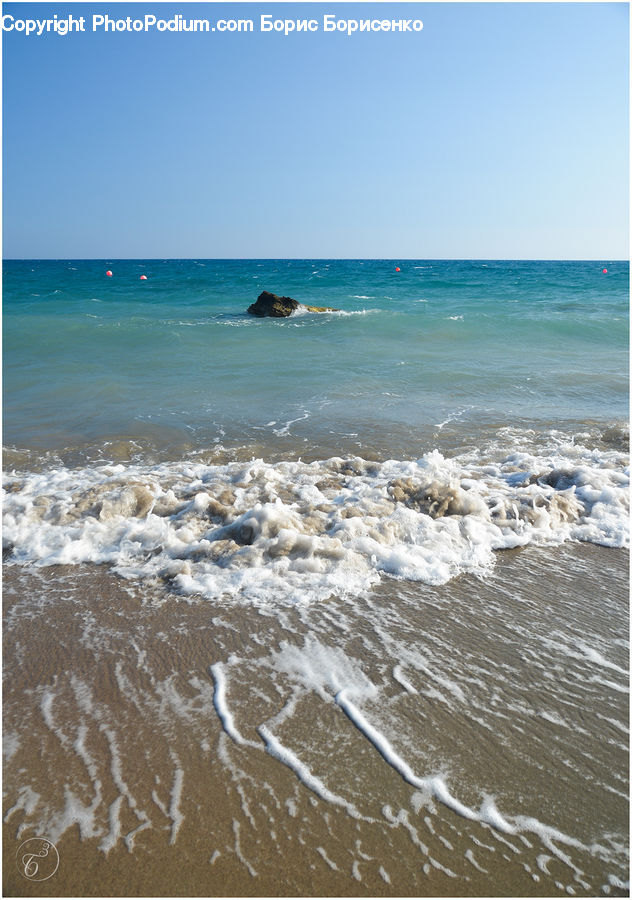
[[279, 307], [270, 305]]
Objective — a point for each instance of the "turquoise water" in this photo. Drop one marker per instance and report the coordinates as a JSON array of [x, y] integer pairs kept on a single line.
[[436, 353], [325, 497]]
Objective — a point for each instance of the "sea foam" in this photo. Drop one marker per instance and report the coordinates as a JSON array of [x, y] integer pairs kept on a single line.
[[286, 531]]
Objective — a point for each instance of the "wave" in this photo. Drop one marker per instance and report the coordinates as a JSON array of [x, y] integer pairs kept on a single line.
[[291, 531], [304, 311]]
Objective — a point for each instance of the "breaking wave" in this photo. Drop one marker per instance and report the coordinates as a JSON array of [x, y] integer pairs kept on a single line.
[[289, 531]]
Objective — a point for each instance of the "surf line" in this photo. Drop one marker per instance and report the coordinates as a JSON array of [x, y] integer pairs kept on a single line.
[[488, 814], [283, 754], [222, 710], [273, 746], [436, 785]]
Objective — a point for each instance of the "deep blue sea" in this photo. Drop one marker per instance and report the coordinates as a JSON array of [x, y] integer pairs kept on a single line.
[[441, 347]]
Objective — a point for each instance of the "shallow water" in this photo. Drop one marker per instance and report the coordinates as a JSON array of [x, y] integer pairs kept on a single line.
[[176, 361], [456, 741], [342, 595], [274, 534]]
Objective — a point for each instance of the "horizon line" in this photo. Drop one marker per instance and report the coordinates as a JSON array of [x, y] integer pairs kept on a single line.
[[318, 258]]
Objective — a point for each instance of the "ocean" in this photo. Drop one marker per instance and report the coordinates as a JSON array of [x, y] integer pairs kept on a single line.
[[342, 595]]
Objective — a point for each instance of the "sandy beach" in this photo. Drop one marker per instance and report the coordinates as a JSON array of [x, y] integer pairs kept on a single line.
[[118, 752], [315, 329]]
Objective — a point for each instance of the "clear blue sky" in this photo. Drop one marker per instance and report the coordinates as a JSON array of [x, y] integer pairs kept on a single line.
[[499, 131]]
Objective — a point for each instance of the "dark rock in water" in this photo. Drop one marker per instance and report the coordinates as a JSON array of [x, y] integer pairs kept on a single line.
[[270, 305], [279, 307]]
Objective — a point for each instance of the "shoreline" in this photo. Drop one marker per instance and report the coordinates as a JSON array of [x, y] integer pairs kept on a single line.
[[383, 441], [113, 687]]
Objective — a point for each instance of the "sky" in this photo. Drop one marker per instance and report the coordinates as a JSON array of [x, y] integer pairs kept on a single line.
[[499, 131]]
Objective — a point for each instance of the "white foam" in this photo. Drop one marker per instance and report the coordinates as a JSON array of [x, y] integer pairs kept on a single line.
[[10, 744], [489, 814], [286, 428], [130, 837], [27, 800], [400, 678], [378, 740], [288, 758], [621, 726], [594, 656], [469, 855], [159, 803], [46, 707], [110, 840], [343, 313], [435, 784], [443, 795], [219, 701], [238, 851], [175, 798], [322, 669], [615, 686], [551, 837], [330, 863], [275, 533], [74, 812]]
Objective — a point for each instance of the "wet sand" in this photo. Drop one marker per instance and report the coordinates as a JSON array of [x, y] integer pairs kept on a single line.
[[515, 686]]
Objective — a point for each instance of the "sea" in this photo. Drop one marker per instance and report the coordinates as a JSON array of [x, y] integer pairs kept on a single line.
[[328, 605]]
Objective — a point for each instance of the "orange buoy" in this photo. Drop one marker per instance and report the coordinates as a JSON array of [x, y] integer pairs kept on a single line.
[[143, 278], [397, 269], [108, 273], [604, 271]]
